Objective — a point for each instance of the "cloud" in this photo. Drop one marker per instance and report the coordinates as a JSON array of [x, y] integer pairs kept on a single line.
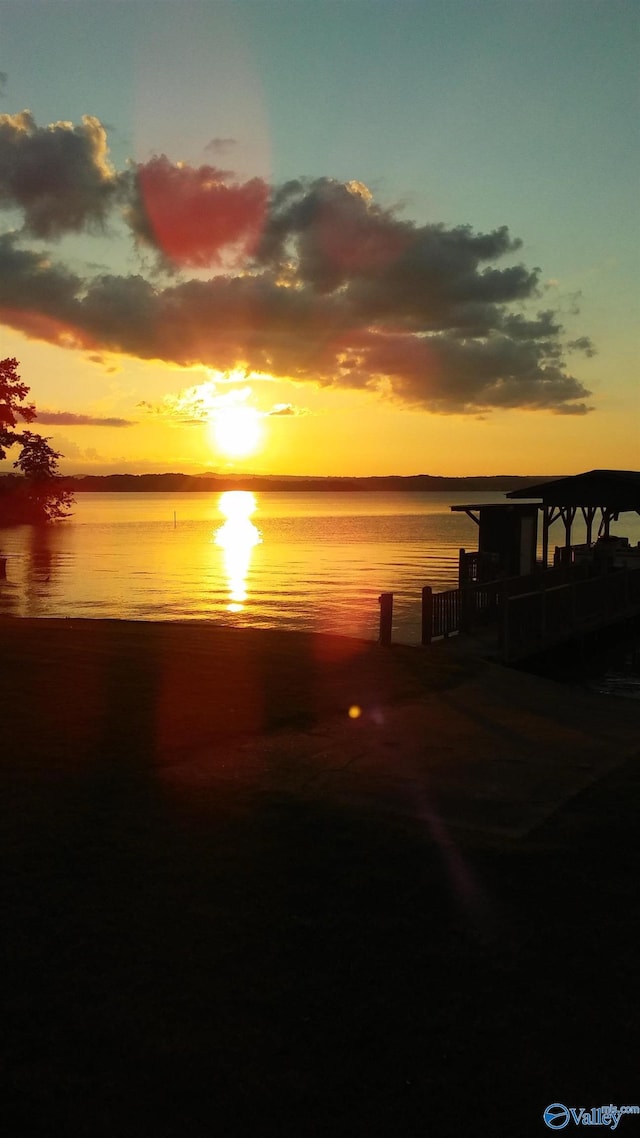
[[571, 409], [337, 230], [59, 176], [287, 409], [294, 332], [71, 419], [582, 344], [332, 289], [192, 214], [449, 375], [109, 366], [221, 145], [196, 405]]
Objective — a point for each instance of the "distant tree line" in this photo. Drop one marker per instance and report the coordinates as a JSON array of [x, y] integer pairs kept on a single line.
[[157, 483]]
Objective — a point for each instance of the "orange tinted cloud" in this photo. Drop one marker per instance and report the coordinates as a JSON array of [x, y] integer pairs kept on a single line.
[[314, 280], [193, 214]]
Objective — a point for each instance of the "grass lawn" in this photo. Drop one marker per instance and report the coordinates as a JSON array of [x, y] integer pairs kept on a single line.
[[243, 960]]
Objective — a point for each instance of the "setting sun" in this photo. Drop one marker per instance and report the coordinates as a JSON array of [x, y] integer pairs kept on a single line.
[[236, 430]]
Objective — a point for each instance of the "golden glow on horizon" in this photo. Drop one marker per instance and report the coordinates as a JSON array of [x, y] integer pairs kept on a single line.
[[237, 538], [344, 432]]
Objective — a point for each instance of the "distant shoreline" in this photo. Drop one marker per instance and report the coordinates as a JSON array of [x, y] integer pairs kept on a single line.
[[188, 483]]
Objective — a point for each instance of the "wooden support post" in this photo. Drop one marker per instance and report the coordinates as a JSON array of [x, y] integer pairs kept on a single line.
[[568, 514], [385, 600], [546, 514], [502, 600], [589, 513], [463, 567], [504, 641], [427, 614], [543, 612], [574, 605], [465, 618]]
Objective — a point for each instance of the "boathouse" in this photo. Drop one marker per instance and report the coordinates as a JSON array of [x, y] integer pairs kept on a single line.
[[607, 493], [507, 541], [512, 599]]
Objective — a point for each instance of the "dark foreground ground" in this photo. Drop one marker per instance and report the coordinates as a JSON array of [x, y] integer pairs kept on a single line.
[[216, 947]]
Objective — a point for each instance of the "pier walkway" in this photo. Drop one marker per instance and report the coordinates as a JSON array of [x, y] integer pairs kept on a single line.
[[519, 617]]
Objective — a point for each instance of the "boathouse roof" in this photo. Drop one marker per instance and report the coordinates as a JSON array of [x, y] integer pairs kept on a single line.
[[617, 490]]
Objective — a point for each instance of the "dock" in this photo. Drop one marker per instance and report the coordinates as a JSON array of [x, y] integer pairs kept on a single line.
[[516, 618], [512, 604]]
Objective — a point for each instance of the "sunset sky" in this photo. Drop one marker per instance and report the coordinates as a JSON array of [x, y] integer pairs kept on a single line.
[[338, 237]]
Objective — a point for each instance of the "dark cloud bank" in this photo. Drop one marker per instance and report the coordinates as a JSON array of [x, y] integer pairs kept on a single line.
[[311, 280]]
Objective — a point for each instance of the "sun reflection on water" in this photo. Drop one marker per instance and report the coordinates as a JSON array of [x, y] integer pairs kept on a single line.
[[237, 538]]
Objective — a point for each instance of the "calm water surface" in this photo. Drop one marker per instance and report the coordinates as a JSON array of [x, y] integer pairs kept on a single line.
[[314, 561]]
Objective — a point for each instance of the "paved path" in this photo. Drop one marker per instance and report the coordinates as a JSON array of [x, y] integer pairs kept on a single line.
[[496, 755]]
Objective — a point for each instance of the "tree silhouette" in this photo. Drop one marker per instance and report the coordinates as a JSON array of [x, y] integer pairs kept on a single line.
[[38, 495]]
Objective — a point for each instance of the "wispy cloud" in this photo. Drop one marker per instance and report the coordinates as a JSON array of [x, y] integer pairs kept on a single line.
[[582, 344], [198, 404], [108, 365], [221, 145], [72, 419], [287, 409]]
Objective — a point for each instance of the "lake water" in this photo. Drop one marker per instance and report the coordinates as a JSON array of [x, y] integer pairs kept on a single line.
[[315, 561]]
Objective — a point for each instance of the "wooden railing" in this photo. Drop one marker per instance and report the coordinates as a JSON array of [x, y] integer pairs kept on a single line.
[[535, 611], [459, 610], [548, 578], [445, 613], [536, 620], [529, 614]]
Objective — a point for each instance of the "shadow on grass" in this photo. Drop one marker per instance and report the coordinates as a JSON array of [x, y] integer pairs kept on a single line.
[[240, 962], [194, 970]]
